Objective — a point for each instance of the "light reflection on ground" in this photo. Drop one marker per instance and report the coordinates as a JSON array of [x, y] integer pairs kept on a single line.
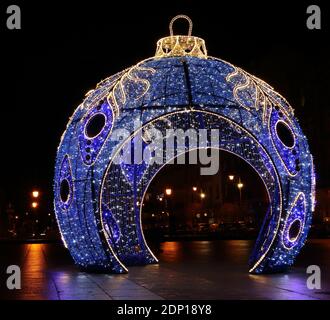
[[187, 270]]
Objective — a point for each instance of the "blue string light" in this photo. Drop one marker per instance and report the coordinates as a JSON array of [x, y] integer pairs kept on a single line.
[[98, 199]]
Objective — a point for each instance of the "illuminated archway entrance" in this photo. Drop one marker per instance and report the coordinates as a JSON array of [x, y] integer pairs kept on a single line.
[[127, 238], [98, 196]]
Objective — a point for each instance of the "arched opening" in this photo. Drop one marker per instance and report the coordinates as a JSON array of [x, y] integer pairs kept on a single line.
[[183, 210], [125, 184]]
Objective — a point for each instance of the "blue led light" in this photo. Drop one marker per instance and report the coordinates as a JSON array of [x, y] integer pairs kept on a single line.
[[100, 221]]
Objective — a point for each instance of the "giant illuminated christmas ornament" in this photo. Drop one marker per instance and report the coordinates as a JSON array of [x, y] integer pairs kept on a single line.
[[98, 196]]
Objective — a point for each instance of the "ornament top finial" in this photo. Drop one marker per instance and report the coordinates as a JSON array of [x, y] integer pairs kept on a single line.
[[180, 45], [181, 16]]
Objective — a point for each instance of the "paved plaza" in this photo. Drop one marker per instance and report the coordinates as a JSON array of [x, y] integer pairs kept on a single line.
[[187, 270]]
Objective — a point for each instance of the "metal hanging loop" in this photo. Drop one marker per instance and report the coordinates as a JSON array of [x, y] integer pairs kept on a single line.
[[181, 16]]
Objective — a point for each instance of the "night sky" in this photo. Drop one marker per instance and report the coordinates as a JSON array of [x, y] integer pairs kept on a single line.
[[64, 50]]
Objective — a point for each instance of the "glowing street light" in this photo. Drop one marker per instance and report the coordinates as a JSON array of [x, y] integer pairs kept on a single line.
[[203, 195], [34, 205], [35, 194], [231, 177], [168, 191], [194, 188], [240, 185]]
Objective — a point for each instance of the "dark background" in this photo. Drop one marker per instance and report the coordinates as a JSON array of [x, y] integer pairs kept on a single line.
[[64, 49]]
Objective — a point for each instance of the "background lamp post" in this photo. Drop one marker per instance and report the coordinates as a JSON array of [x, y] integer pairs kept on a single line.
[[168, 191], [35, 194], [240, 186], [168, 206]]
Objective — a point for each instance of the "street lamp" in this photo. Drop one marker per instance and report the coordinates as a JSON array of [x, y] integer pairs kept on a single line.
[[34, 205], [240, 185], [203, 195], [168, 207], [168, 191], [35, 194], [194, 188]]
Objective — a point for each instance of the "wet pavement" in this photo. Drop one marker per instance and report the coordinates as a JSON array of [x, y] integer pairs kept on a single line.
[[187, 270]]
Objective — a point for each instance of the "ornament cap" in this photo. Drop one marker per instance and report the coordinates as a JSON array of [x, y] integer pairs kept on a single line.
[[181, 45]]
